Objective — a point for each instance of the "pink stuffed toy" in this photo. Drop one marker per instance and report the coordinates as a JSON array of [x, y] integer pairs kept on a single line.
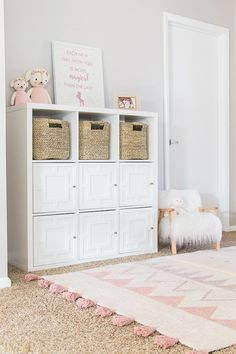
[[38, 79], [19, 96]]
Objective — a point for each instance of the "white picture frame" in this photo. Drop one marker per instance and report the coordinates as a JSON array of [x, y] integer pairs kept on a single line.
[[78, 75]]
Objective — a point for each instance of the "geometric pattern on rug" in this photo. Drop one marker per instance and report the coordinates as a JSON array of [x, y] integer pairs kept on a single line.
[[188, 296]]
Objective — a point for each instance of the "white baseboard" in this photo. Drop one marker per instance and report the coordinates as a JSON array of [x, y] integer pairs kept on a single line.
[[5, 282], [230, 228]]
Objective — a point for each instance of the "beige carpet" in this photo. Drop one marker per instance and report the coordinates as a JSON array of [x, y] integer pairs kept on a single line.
[[33, 320]]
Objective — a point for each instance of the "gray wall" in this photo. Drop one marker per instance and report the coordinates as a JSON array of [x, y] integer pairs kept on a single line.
[[130, 34]]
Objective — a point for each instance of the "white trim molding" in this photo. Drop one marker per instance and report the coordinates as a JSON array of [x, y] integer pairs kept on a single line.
[[5, 282], [222, 34], [231, 228]]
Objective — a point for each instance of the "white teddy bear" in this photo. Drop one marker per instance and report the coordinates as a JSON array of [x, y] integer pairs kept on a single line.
[[19, 96], [38, 79]]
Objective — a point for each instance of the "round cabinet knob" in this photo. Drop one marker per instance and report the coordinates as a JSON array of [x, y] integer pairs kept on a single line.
[[116, 233], [152, 228], [115, 184], [74, 237], [152, 183], [74, 186]]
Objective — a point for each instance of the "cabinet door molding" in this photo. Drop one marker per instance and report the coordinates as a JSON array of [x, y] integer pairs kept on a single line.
[[137, 230], [55, 239], [54, 187], [98, 234], [98, 185], [136, 184]]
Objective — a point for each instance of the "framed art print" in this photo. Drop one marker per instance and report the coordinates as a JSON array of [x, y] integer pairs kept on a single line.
[[78, 75]]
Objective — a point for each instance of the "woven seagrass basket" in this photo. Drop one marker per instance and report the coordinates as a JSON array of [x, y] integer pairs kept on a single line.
[[51, 139], [94, 140], [133, 141]]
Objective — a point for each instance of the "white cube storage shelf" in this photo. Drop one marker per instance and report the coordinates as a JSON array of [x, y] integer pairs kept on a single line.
[[72, 211]]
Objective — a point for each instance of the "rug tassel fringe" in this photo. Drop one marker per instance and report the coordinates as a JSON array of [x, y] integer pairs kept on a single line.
[[30, 277], [197, 352], [165, 342], [85, 303], [121, 321], [104, 312], [44, 284], [161, 341], [144, 331], [70, 296]]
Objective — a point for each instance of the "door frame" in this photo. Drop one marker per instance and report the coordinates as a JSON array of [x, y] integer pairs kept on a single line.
[[223, 106], [4, 280]]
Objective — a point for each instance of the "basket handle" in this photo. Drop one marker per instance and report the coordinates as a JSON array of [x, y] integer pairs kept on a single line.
[[55, 125], [137, 127], [97, 126]]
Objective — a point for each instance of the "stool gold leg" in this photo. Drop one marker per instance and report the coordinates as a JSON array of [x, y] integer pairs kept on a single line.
[[217, 246]]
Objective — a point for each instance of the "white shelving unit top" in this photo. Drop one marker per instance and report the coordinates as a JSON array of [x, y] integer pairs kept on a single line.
[[63, 108]]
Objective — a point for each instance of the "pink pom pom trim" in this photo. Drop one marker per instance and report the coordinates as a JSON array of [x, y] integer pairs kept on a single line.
[[30, 277], [56, 289], [44, 284], [144, 331], [70, 296], [165, 342], [85, 303], [104, 312], [198, 352], [121, 321]]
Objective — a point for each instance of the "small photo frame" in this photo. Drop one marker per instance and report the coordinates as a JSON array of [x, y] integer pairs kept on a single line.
[[127, 102]]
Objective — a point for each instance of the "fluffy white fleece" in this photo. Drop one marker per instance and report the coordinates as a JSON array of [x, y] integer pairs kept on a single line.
[[192, 227]]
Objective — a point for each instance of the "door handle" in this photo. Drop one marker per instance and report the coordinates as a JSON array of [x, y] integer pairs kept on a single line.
[[173, 142]]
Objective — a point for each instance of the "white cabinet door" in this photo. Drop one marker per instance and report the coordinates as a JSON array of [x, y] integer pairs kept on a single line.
[[136, 184], [54, 187], [55, 239], [97, 185], [98, 234], [137, 230]]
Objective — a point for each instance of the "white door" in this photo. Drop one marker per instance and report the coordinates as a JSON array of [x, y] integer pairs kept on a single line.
[[55, 239], [97, 185], [137, 230], [136, 184], [54, 187], [196, 85], [98, 234]]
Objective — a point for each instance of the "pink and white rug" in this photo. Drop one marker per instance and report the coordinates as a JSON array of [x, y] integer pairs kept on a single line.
[[189, 296]]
